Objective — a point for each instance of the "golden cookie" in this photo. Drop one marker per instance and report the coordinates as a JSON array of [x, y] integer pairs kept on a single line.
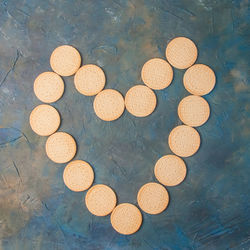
[[48, 87], [89, 80], [140, 101], [170, 170], [44, 120], [193, 110], [153, 198], [60, 147], [100, 200], [65, 60], [157, 73], [184, 141], [109, 105], [126, 218], [199, 79], [181, 52], [78, 175]]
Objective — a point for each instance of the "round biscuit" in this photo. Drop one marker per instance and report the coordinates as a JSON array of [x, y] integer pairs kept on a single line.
[[170, 170], [193, 110], [126, 218], [140, 101], [78, 175], [157, 73], [60, 147], [181, 52], [153, 198], [184, 141], [100, 200], [48, 87], [44, 120], [65, 60], [199, 79], [89, 80], [109, 105]]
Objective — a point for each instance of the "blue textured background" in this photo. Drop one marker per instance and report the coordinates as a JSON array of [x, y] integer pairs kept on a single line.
[[210, 210]]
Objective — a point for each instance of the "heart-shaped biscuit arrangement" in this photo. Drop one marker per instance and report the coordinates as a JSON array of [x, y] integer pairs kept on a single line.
[[109, 105]]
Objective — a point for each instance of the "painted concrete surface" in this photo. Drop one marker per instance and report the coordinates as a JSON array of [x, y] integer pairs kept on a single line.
[[209, 210]]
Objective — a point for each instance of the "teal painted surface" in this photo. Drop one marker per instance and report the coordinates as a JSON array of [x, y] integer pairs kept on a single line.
[[210, 210]]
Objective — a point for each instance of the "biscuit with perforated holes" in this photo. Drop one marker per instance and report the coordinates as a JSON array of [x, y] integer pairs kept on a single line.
[[60, 147], [126, 218], [140, 101], [89, 80], [44, 120], [193, 110], [109, 105], [170, 170], [157, 73], [184, 141], [153, 198], [181, 52], [78, 175], [65, 60], [199, 79], [100, 200], [48, 87]]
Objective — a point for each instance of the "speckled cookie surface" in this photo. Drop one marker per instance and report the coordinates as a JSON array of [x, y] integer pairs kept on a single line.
[[199, 79], [193, 110], [170, 170], [126, 218], [140, 101], [89, 80], [78, 175], [44, 120], [157, 73], [65, 60], [60, 147], [181, 52], [184, 141], [153, 198], [100, 200], [109, 105], [48, 87]]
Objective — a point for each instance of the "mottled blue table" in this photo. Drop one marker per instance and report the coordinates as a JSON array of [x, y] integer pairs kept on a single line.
[[210, 209]]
